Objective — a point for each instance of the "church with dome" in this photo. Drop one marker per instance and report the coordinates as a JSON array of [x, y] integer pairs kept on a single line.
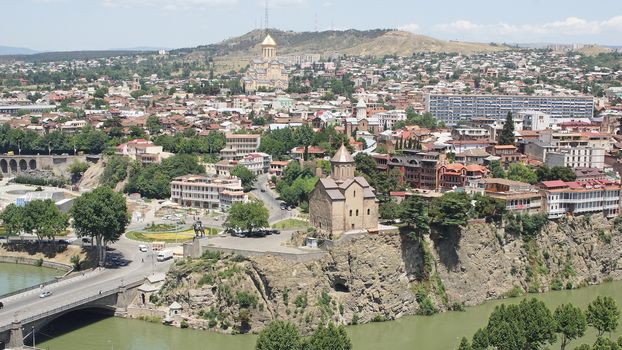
[[343, 202], [266, 72]]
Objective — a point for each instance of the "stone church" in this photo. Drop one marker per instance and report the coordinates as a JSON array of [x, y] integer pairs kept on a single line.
[[343, 202], [266, 72]]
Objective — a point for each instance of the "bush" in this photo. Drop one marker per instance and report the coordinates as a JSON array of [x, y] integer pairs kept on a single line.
[[301, 300], [36, 181], [426, 307], [183, 324], [206, 279], [246, 300]]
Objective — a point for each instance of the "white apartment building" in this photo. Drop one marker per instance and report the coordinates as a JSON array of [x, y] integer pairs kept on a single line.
[[258, 163], [389, 118], [239, 145], [576, 198], [534, 120], [453, 108], [575, 150], [146, 152], [207, 192]]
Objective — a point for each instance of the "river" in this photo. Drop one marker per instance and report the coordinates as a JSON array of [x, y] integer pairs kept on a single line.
[[15, 276], [442, 331]]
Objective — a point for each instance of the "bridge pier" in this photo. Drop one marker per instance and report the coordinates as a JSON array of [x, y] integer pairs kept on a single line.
[[16, 338]]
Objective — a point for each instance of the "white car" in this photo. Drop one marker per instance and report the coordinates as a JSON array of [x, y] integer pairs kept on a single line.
[[45, 294], [142, 248]]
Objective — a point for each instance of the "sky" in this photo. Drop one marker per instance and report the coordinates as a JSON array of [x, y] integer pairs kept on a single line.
[[58, 25]]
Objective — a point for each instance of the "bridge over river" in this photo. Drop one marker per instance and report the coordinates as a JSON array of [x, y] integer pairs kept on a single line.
[[106, 290]]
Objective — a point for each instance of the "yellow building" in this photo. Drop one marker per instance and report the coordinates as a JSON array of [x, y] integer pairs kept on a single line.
[[343, 202], [266, 72]]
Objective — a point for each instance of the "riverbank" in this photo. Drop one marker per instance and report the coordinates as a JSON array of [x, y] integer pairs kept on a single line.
[[385, 277], [438, 332], [59, 260]]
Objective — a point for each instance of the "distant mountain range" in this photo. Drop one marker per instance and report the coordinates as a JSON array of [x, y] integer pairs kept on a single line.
[[10, 50]]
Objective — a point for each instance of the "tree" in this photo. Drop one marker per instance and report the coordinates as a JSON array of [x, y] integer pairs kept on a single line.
[[102, 215], [414, 213], [279, 335], [246, 176], [389, 210], [522, 173], [465, 344], [153, 125], [545, 173], [489, 208], [12, 219], [507, 133], [329, 338], [603, 314], [182, 164], [450, 210], [570, 323], [44, 219], [480, 340], [538, 323], [77, 169], [247, 216], [496, 170]]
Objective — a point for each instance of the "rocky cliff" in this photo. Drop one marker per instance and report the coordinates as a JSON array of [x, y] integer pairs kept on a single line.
[[378, 277]]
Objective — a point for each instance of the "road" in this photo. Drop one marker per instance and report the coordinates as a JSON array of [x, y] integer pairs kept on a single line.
[[28, 304], [269, 199]]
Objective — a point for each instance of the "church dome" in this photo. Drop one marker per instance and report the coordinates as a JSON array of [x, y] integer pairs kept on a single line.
[[342, 156], [268, 41]]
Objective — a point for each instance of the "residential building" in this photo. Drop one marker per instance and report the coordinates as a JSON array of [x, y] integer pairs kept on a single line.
[[239, 145], [207, 192], [519, 197], [143, 151], [452, 109], [586, 197], [387, 119]]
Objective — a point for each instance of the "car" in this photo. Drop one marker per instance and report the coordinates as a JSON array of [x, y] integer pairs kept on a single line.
[[45, 294], [142, 248], [263, 190]]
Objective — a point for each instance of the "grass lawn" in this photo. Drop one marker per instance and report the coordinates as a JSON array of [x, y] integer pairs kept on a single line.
[[289, 224], [169, 237]]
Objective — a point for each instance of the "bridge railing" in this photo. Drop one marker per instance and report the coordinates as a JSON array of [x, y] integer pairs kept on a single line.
[[75, 304]]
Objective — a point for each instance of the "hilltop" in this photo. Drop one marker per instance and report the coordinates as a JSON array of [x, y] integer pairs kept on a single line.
[[235, 53]]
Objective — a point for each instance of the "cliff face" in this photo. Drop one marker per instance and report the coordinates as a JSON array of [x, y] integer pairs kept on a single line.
[[377, 277]]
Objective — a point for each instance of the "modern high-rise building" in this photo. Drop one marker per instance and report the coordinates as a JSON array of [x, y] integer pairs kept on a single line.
[[453, 109]]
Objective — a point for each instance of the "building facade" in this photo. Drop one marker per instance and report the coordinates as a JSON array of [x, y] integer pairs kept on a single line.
[[453, 109], [237, 146], [343, 202], [206, 192], [576, 198]]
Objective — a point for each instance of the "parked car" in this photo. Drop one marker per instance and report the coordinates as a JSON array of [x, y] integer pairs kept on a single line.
[[142, 248], [45, 294]]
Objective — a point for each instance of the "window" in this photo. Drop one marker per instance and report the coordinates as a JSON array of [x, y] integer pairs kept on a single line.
[[350, 212], [357, 212], [368, 211], [354, 195]]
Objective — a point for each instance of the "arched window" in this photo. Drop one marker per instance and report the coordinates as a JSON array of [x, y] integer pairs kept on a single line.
[[350, 212]]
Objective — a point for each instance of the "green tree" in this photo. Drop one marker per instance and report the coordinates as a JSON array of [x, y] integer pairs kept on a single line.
[[545, 173], [329, 338], [489, 208], [496, 170], [450, 210], [102, 215], [389, 210], [414, 213], [522, 173], [77, 169], [247, 216], [603, 343], [507, 133], [182, 164], [465, 344], [153, 125], [570, 323], [603, 314], [44, 219], [279, 335], [480, 340], [246, 176], [12, 219]]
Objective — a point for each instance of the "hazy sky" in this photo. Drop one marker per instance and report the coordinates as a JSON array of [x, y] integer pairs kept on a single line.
[[105, 24]]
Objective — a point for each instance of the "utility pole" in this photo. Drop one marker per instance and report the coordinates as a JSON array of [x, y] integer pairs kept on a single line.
[[34, 345]]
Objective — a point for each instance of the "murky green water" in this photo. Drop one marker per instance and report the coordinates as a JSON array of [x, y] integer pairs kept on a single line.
[[441, 331], [15, 277]]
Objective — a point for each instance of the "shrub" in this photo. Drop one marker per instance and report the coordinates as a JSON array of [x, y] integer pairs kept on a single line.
[[206, 279], [301, 300], [246, 300], [183, 324], [557, 284], [426, 307]]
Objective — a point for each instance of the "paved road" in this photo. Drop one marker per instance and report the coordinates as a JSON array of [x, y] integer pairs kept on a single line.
[[28, 304], [269, 198]]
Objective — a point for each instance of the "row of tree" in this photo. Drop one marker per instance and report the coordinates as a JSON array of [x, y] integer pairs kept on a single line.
[[523, 173], [530, 325], [281, 335], [101, 214], [88, 140], [279, 143]]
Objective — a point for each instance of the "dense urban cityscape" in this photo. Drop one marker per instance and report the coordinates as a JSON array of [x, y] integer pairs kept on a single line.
[[327, 189]]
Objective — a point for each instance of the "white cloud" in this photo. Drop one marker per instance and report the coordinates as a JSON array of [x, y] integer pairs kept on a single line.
[[170, 5], [410, 27], [570, 26]]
